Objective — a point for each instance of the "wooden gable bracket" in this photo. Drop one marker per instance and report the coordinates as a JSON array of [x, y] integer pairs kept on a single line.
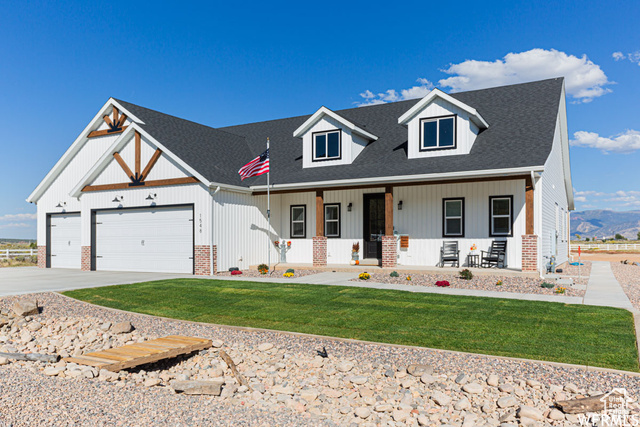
[[115, 124], [138, 179]]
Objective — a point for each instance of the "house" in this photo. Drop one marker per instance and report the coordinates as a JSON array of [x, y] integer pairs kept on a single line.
[[139, 190]]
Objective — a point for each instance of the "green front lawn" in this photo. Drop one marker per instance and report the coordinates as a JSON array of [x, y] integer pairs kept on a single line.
[[597, 336]]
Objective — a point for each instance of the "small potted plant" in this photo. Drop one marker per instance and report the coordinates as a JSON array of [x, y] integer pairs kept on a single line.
[[474, 249], [355, 248]]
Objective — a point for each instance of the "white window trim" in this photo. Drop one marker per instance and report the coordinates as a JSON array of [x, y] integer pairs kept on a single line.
[[445, 233], [303, 221], [326, 141], [437, 120], [336, 205], [509, 215]]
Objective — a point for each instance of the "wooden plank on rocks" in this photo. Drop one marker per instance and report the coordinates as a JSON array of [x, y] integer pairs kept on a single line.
[[131, 355]]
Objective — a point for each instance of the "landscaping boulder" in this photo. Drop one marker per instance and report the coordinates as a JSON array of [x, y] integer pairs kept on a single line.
[[25, 307], [121, 328], [208, 387], [419, 370]]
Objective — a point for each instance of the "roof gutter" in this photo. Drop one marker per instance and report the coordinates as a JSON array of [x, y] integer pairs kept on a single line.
[[385, 180]]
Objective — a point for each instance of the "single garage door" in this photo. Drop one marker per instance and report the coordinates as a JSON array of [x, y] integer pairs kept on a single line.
[[64, 241], [149, 239]]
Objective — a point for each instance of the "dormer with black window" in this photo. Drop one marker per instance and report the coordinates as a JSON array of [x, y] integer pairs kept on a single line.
[[440, 125], [330, 139]]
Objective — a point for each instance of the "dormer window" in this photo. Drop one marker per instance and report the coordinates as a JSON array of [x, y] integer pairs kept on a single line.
[[438, 133], [327, 145]]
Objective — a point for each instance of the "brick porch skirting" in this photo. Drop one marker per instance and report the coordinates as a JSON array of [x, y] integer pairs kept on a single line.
[[319, 251], [203, 260], [389, 251], [42, 257], [85, 260], [529, 252]]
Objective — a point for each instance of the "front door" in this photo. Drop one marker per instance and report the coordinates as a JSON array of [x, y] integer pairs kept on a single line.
[[373, 225]]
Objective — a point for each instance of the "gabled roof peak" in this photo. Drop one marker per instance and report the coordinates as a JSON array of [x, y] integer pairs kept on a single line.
[[324, 111], [437, 93]]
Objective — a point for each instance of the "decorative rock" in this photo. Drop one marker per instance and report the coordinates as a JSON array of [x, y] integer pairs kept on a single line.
[[309, 395], [571, 388], [556, 414], [359, 379], [121, 328], [473, 388], [265, 346], [213, 388], [423, 420], [52, 371], [399, 416], [363, 412], [344, 366], [462, 379], [152, 382], [534, 384], [428, 379], [493, 380], [282, 390], [419, 370], [530, 412], [4, 361], [506, 388], [25, 307], [462, 404], [441, 398], [216, 343], [507, 401], [383, 407]]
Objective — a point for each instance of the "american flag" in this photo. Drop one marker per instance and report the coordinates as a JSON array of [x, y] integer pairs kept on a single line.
[[257, 166]]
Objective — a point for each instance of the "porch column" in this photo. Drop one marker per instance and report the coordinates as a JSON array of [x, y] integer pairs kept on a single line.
[[530, 239], [319, 240], [389, 244]]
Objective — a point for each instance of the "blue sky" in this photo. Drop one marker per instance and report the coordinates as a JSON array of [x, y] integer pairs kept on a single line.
[[220, 64]]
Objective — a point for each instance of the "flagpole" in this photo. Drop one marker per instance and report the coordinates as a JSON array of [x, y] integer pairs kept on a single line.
[[268, 210]]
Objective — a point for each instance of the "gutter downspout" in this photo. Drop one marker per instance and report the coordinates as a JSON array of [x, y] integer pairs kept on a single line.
[[211, 228]]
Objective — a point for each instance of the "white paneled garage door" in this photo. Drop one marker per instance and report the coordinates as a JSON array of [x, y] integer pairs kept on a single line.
[[150, 239], [64, 238]]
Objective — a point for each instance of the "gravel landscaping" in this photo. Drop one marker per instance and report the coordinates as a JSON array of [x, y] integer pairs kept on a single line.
[[357, 384], [571, 271], [278, 274], [628, 276], [523, 285]]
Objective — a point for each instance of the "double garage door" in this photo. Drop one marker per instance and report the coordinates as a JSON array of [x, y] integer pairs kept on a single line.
[[150, 239]]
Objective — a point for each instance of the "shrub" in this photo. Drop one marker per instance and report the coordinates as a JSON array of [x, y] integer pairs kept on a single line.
[[364, 276], [263, 268], [547, 285], [499, 283], [466, 274], [409, 278], [442, 283], [394, 274], [20, 258], [290, 270]]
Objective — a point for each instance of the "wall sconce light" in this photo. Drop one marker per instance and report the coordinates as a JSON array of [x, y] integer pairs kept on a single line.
[[117, 199], [151, 196], [400, 205], [61, 204], [349, 206]]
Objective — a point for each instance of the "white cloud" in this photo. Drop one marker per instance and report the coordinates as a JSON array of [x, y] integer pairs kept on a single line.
[[584, 80], [16, 225], [391, 95], [625, 142], [12, 217], [633, 56], [615, 200]]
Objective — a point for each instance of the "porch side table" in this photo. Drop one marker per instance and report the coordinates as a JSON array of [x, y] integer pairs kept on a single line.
[[473, 260]]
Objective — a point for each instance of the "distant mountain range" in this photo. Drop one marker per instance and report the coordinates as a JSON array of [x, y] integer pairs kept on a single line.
[[605, 223]]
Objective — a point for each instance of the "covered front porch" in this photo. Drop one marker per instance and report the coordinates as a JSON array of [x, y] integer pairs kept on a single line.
[[403, 226]]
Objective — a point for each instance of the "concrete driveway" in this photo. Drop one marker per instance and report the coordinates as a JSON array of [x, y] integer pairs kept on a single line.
[[24, 280]]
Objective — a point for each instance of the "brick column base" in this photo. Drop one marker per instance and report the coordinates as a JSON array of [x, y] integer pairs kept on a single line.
[[42, 257], [319, 251], [203, 260], [85, 260], [529, 252], [389, 252]]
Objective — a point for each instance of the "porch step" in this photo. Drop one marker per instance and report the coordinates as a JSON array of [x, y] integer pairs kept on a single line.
[[370, 262]]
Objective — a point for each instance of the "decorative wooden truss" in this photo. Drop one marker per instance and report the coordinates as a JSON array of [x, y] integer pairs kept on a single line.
[[138, 179], [115, 124]]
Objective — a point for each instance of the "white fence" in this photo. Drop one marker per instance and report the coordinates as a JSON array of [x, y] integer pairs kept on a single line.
[[607, 247], [12, 253]]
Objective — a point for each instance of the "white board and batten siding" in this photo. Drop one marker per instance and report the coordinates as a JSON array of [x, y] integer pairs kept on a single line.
[[554, 205], [351, 146]]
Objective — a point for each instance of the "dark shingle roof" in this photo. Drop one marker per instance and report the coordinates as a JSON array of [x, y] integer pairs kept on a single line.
[[522, 120]]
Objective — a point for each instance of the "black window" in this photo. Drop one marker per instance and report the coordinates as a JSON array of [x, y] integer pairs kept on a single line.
[[298, 221], [327, 145], [332, 220], [501, 216], [438, 133], [453, 217]]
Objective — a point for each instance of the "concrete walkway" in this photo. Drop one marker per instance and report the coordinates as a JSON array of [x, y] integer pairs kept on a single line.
[[604, 290]]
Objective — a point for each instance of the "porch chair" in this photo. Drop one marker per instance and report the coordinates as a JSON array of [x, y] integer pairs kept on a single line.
[[449, 252], [496, 255]]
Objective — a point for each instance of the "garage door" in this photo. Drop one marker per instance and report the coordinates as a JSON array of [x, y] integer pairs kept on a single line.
[[64, 238], [150, 239]]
